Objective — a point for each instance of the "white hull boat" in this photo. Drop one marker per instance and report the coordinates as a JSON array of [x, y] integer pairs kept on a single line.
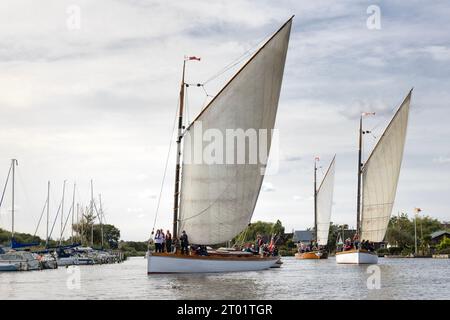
[[356, 257], [19, 260], [173, 263], [4, 266], [75, 261]]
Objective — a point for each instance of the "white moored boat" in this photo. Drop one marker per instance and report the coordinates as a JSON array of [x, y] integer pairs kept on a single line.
[[356, 257], [377, 184], [214, 200]]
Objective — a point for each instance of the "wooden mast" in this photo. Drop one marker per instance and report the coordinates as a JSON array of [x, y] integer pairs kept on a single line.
[[315, 198], [178, 163], [358, 197]]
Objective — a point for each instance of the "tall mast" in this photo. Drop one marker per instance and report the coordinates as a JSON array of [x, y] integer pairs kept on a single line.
[[315, 197], [73, 208], [101, 217], [62, 213], [178, 166], [78, 222], [48, 212], [358, 197], [13, 164], [92, 213]]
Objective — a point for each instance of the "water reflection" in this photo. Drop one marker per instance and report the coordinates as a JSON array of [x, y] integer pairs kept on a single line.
[[305, 279]]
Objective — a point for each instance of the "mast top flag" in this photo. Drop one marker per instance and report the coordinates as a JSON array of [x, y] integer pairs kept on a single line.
[[217, 200]]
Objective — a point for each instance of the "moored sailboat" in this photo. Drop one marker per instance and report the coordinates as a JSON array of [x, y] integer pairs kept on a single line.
[[377, 185], [214, 202], [323, 201]]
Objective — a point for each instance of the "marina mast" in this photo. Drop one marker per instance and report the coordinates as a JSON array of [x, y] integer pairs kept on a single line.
[[48, 212], [13, 165]]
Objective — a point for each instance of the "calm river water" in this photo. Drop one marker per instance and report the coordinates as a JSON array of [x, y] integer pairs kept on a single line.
[[314, 279]]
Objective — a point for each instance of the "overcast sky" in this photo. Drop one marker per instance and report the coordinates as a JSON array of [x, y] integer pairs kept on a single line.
[[99, 101]]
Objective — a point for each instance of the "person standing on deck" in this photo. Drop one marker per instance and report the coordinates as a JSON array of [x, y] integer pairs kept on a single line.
[[356, 241], [163, 243], [158, 241], [168, 242], [184, 243]]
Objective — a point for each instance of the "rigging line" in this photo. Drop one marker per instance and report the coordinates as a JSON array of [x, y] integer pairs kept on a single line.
[[98, 216], [6, 184], [206, 92], [54, 221], [396, 106], [25, 193], [67, 219], [101, 215], [165, 167], [42, 214], [237, 60]]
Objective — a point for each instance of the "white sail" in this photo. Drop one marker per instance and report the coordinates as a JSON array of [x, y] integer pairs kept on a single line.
[[217, 200], [380, 176], [324, 204]]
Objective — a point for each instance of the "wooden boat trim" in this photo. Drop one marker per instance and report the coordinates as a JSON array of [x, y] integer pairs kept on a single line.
[[219, 257]]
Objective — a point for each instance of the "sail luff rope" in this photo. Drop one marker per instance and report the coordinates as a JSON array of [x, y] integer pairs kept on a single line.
[[165, 167]]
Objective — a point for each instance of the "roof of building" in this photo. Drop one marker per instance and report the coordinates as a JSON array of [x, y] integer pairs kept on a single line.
[[302, 235], [439, 233]]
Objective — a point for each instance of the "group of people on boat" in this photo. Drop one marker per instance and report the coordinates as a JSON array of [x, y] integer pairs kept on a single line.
[[167, 243], [311, 247], [163, 242], [355, 244], [262, 248]]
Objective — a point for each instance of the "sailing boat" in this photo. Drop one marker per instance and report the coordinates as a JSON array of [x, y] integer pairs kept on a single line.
[[323, 201], [217, 200], [15, 260], [379, 178]]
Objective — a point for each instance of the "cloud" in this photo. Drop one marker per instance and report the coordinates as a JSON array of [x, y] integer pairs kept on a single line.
[[292, 158], [147, 194], [442, 160], [100, 102], [267, 187]]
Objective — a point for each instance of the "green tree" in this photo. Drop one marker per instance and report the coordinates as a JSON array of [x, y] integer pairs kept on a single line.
[[333, 235], [87, 231], [401, 232], [444, 244], [266, 229]]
